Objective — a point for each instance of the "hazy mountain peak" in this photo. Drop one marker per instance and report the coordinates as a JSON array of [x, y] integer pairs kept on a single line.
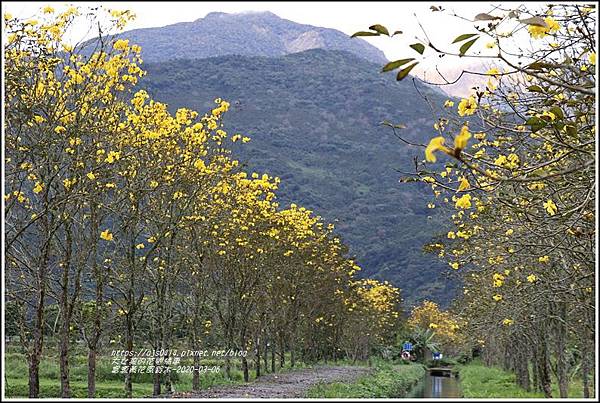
[[247, 33]]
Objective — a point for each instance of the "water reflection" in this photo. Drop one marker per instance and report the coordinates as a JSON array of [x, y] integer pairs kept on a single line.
[[436, 386]]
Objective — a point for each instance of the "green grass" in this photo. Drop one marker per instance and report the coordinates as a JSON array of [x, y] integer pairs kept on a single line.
[[388, 380], [108, 385], [478, 380]]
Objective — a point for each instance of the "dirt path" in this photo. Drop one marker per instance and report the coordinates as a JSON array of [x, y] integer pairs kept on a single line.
[[291, 384]]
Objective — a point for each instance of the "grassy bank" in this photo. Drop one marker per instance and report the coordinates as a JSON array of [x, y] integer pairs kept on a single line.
[[387, 380], [478, 380]]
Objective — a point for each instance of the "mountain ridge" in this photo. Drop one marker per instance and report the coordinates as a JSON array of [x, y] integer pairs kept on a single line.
[[244, 34]]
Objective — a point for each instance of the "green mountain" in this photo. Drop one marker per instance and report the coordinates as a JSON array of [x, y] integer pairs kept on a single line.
[[247, 34], [314, 119]]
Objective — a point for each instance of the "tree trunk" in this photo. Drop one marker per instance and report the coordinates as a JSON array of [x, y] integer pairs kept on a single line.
[[129, 345], [38, 330], [521, 366], [535, 372], [273, 357], [245, 369], [281, 354], [266, 356], [196, 376], [523, 373], [156, 377], [65, 387], [585, 370], [91, 376], [34, 375], [98, 308], [545, 371], [561, 367], [257, 358], [168, 380]]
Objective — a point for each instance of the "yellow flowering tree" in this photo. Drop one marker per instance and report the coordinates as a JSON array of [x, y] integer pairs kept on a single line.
[[515, 173]]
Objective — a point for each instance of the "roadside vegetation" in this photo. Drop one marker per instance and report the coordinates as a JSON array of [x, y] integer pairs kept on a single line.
[[480, 381], [388, 380]]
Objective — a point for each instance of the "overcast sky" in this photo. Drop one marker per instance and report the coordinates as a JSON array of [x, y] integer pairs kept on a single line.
[[347, 17]]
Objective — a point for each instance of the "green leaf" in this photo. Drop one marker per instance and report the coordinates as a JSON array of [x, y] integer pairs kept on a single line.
[[364, 33], [538, 21], [538, 65], [404, 72], [463, 37], [486, 17], [535, 88], [466, 46], [380, 28], [395, 64], [395, 126], [557, 112], [571, 130], [535, 123], [396, 33], [419, 47]]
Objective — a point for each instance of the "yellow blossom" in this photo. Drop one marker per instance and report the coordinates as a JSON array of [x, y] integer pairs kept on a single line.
[[460, 142], [68, 183], [464, 202], [106, 235], [550, 207], [538, 32], [467, 106], [464, 184], [435, 144], [121, 44], [531, 278], [112, 157]]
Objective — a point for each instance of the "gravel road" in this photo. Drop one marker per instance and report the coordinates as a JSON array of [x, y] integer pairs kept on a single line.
[[292, 384]]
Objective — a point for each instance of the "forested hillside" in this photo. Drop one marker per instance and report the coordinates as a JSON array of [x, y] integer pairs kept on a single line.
[[314, 119]]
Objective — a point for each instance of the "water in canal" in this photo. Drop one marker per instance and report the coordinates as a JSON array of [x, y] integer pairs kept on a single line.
[[436, 386]]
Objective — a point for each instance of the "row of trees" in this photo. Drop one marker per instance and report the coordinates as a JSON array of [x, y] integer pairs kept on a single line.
[[518, 183], [141, 230]]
